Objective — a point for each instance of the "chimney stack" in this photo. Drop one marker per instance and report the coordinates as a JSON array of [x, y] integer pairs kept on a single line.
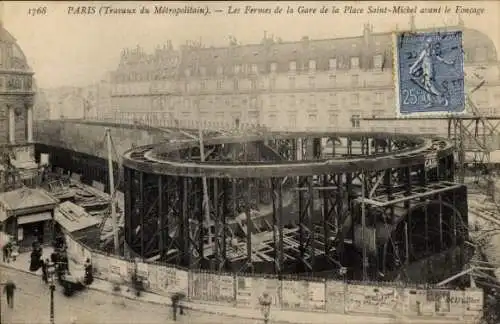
[[412, 23]]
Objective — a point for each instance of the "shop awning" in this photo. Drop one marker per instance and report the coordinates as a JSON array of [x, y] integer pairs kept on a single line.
[[34, 218]]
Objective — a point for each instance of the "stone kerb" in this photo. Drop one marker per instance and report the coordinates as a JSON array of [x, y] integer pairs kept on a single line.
[[289, 292]]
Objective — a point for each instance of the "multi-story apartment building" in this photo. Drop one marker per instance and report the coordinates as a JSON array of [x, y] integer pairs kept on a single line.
[[321, 84]]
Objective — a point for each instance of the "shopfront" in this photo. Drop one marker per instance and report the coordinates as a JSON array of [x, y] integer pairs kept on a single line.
[[27, 215]]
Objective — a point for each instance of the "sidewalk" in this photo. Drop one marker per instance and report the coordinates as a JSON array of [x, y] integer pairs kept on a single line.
[[277, 316]]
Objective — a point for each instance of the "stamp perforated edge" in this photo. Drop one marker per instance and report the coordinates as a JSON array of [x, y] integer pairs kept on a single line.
[[396, 78]]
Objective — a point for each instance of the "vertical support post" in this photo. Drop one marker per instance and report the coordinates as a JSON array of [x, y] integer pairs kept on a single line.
[[326, 217], [407, 183], [389, 192], [129, 202], [225, 211], [281, 254], [184, 221], [161, 218], [246, 197], [142, 210], [202, 221], [363, 226], [113, 195], [302, 217], [220, 228], [340, 214], [441, 241], [276, 187], [407, 244], [206, 203], [461, 151], [234, 196], [310, 225]]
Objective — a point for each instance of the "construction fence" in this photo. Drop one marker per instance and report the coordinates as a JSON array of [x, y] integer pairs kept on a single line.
[[311, 295]]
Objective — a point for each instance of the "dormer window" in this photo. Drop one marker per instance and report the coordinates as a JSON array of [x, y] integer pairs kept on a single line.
[[293, 66], [354, 62], [377, 61], [332, 64], [254, 68], [274, 67], [312, 65], [220, 70], [203, 71]]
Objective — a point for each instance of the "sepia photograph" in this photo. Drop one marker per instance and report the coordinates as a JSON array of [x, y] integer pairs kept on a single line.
[[249, 161]]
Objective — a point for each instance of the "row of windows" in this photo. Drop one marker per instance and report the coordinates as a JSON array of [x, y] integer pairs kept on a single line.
[[479, 54], [291, 100], [293, 82], [333, 64]]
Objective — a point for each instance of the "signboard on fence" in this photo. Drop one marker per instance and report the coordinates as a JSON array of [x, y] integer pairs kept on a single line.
[[472, 303], [203, 286], [316, 296], [244, 291], [118, 269], [153, 279], [418, 303], [335, 296], [212, 287], [169, 279], [373, 299], [143, 270], [294, 294], [101, 265], [226, 288]]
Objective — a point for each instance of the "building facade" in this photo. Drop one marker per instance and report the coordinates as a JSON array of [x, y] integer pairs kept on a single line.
[[16, 108], [325, 84], [86, 102]]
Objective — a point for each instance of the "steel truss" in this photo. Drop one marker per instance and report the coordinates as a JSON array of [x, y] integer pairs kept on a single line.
[[313, 219]]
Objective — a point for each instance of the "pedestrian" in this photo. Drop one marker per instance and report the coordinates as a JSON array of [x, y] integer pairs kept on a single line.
[[45, 274], [176, 299], [14, 251], [9, 291], [5, 252], [89, 277]]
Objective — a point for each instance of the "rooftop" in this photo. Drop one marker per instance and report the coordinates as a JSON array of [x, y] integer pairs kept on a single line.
[[25, 198], [73, 217]]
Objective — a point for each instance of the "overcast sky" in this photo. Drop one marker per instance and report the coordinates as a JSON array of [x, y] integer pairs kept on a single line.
[[76, 50]]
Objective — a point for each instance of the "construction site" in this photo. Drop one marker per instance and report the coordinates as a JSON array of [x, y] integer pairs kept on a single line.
[[354, 205]]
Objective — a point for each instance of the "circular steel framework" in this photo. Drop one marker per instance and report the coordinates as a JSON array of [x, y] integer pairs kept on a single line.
[[295, 202]]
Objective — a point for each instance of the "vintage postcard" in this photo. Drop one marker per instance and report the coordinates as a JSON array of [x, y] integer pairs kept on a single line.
[[249, 161]]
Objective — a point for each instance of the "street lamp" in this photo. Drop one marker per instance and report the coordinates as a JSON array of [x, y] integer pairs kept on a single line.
[[51, 273]]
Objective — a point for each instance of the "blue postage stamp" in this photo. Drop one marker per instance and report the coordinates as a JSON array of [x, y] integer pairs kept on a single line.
[[429, 73]]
